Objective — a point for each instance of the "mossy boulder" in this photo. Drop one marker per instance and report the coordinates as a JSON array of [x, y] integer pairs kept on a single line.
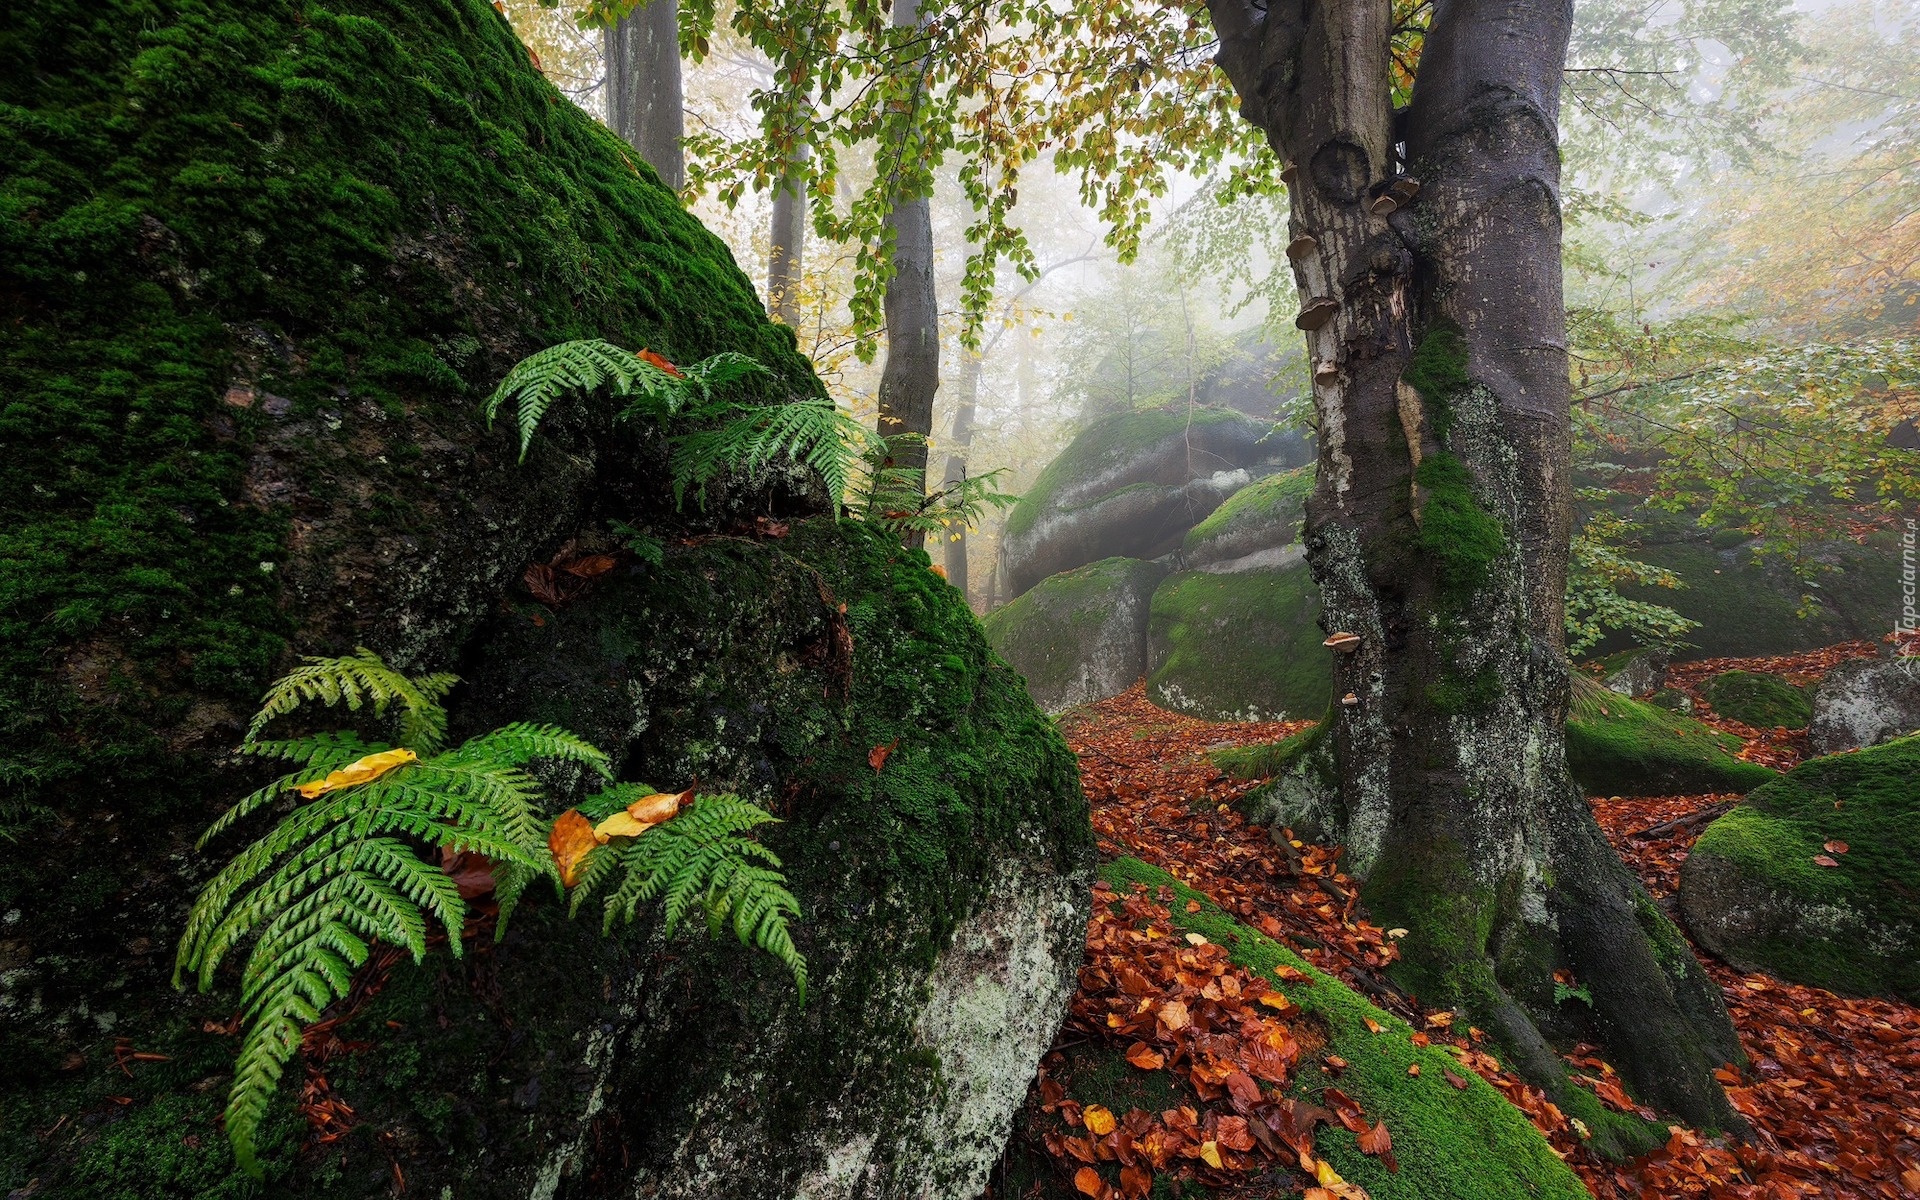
[[1864, 703], [251, 314], [1256, 524], [1132, 484], [1080, 635], [1754, 893], [1759, 699], [1748, 606], [1239, 646], [1617, 746]]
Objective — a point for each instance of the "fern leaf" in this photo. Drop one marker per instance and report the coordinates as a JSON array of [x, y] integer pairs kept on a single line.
[[536, 381], [363, 679]]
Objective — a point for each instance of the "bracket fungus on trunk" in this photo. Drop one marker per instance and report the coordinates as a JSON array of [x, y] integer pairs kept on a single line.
[[1342, 643], [1301, 247], [1318, 312]]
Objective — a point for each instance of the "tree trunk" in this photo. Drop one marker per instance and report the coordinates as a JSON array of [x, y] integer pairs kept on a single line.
[[912, 372], [644, 103], [1439, 526], [956, 545], [789, 240]]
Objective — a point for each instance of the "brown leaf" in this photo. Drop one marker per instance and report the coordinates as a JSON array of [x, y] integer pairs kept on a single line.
[[1822, 860], [1453, 1079], [570, 841], [471, 873], [1174, 1015], [1245, 1092], [1135, 1183], [1377, 1142], [1836, 847], [877, 757], [1145, 1057], [590, 566], [1087, 1182], [1414, 1069]]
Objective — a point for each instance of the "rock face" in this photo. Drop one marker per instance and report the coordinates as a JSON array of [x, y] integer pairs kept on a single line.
[[251, 315], [1864, 703], [1258, 526], [1240, 645], [1749, 608], [1081, 635], [1754, 893], [1132, 485], [1618, 746]]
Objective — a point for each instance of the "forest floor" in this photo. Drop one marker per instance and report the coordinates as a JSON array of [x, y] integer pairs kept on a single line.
[[1830, 1090]]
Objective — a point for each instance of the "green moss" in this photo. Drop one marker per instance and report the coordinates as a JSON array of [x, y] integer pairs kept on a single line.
[[1453, 1144], [1758, 699], [381, 211], [1438, 371], [1056, 630], [1268, 760], [1868, 799], [1103, 445], [1242, 644], [1261, 503], [1617, 746], [1464, 540], [1457, 694]]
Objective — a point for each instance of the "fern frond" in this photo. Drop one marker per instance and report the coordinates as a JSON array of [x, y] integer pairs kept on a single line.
[[364, 678], [816, 432], [536, 381], [702, 859]]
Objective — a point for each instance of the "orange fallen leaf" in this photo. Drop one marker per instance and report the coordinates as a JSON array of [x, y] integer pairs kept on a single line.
[[1099, 1119], [1087, 1182], [877, 757], [1145, 1057], [1421, 1039], [1135, 1182], [1414, 1069], [650, 357], [1174, 1015], [1317, 1193], [1335, 1063], [570, 841], [1276, 1000], [1822, 860], [939, 570], [364, 770], [643, 814], [1379, 1143], [1374, 1026]]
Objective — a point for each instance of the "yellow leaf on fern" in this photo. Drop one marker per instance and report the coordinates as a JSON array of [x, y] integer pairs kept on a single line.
[[570, 841], [643, 814], [364, 770]]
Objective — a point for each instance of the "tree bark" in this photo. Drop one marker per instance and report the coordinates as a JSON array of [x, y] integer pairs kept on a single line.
[[1439, 526], [644, 101], [956, 545], [912, 372], [789, 240]]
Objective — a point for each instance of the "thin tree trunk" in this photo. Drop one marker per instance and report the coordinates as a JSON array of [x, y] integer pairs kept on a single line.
[[912, 372], [956, 546], [644, 102], [1438, 533], [789, 240]]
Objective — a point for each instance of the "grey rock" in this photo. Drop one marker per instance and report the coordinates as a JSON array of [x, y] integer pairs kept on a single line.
[[1080, 636], [1864, 703]]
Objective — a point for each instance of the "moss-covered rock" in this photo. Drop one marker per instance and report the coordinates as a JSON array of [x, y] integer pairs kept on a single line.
[[1131, 485], [1082, 634], [1758, 699], [251, 312], [1747, 606], [1452, 1143], [1239, 646], [1262, 518], [1617, 746], [1754, 894]]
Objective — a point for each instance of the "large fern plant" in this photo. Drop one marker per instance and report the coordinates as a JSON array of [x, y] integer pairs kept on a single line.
[[357, 859], [712, 433]]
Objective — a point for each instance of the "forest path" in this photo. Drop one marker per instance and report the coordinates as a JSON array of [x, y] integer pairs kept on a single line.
[[1831, 1092]]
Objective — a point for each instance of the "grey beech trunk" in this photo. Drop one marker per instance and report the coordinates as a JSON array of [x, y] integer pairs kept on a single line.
[[1438, 533], [788, 245], [962, 441], [911, 375], [644, 102]]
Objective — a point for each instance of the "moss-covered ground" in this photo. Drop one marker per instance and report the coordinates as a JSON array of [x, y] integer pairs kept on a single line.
[[1868, 801], [1240, 645], [1452, 1143], [1759, 699], [1617, 746]]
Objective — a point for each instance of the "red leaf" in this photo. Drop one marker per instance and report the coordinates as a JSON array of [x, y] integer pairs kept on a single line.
[[877, 757]]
